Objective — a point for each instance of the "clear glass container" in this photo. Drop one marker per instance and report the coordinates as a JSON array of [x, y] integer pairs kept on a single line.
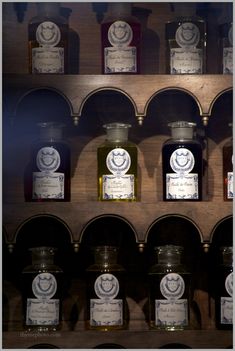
[[186, 41], [182, 164], [224, 291], [48, 40], [169, 290], [117, 165], [42, 291], [47, 177], [121, 39], [106, 302], [226, 48], [228, 169]]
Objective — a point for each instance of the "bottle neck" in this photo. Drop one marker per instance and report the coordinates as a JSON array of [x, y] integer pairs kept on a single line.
[[106, 255], [42, 256], [185, 9], [117, 132], [48, 8], [169, 254], [182, 129], [120, 9], [50, 131]]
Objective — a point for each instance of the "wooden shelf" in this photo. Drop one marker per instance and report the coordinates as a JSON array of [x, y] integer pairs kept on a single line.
[[148, 339], [140, 89], [139, 215]]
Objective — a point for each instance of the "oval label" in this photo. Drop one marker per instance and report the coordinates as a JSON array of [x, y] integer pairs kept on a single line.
[[229, 284], [120, 34], [48, 159], [187, 35], [118, 161], [44, 286], [172, 286], [106, 286], [48, 34], [182, 160]]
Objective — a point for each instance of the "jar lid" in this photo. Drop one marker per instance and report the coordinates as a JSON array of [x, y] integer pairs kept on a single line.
[[117, 131], [182, 124], [43, 250], [169, 249]]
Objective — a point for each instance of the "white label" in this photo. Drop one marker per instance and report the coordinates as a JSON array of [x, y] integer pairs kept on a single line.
[[182, 161], [183, 60], [48, 34], [48, 60], [171, 313], [48, 159], [230, 185], [172, 286], [187, 35], [118, 161], [119, 60], [106, 286], [182, 187], [118, 187], [120, 34], [44, 286], [106, 313], [229, 284], [226, 310], [48, 185], [42, 312], [228, 60]]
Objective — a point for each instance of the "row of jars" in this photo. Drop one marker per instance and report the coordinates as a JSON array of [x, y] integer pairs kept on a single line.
[[47, 177], [121, 32], [169, 293]]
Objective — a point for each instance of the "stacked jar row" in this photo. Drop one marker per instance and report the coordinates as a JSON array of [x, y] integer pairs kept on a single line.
[[47, 177], [169, 291], [121, 36]]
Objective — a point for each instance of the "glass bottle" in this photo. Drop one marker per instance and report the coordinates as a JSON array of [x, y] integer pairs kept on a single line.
[[42, 291], [117, 165], [106, 303], [186, 41], [120, 37], [228, 169], [182, 164], [226, 48], [48, 40], [224, 291], [169, 290], [47, 177]]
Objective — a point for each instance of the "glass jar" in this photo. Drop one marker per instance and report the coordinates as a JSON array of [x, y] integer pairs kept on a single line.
[[48, 40], [186, 41], [120, 38], [226, 48], [169, 290], [42, 291], [228, 169], [47, 177], [106, 303], [182, 164], [224, 291], [117, 165]]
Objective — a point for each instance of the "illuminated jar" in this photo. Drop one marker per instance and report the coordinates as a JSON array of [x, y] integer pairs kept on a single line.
[[48, 40], [47, 177], [182, 164], [117, 165], [42, 291], [186, 41], [169, 290], [121, 39], [224, 291], [106, 303]]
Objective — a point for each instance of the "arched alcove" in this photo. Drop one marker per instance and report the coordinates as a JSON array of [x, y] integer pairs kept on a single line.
[[106, 106], [221, 236], [168, 106], [116, 231], [175, 230], [221, 115], [44, 230]]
